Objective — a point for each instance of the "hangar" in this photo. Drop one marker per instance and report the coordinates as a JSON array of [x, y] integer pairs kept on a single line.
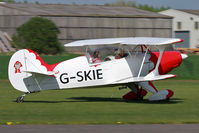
[[186, 26], [77, 22]]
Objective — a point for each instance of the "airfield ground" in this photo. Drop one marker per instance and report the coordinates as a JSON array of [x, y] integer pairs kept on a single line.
[[102, 105], [126, 128]]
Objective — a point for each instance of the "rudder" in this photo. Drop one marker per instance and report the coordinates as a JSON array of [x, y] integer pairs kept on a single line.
[[16, 67]]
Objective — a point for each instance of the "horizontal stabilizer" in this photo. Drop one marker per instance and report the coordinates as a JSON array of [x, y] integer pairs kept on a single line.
[[37, 72]]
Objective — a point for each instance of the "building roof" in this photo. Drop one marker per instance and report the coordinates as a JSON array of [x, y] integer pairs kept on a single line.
[[195, 12], [75, 10]]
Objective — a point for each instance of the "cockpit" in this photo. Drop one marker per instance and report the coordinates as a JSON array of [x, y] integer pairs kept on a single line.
[[106, 53]]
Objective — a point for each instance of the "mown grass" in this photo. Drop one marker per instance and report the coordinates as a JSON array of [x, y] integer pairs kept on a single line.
[[189, 69], [100, 106]]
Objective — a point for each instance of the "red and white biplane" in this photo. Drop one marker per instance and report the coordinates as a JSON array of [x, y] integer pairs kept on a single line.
[[127, 62]]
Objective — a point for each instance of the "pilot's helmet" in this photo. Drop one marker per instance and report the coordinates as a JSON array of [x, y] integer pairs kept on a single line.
[[96, 54], [118, 51]]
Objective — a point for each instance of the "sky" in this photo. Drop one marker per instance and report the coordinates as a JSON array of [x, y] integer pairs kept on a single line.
[[175, 4]]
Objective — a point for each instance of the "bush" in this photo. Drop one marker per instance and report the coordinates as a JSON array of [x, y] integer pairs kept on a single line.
[[38, 34]]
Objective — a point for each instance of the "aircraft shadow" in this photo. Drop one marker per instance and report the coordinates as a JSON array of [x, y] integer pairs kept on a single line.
[[28, 101], [105, 99], [144, 101]]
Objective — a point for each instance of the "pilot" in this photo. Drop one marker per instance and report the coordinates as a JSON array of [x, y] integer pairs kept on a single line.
[[96, 57], [118, 53]]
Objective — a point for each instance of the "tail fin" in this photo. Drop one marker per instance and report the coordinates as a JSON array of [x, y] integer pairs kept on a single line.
[[21, 66]]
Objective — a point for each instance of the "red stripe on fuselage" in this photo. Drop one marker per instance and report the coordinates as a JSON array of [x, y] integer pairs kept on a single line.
[[48, 67]]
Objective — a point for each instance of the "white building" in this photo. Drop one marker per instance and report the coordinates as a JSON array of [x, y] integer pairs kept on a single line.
[[185, 26]]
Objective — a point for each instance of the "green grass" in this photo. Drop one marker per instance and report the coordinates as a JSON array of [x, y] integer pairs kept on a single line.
[[4, 61], [100, 106], [189, 69]]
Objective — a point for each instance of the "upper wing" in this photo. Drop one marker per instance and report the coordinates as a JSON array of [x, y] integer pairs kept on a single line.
[[127, 41]]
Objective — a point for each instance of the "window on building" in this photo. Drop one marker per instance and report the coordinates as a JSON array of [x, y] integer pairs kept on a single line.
[[196, 25], [179, 25]]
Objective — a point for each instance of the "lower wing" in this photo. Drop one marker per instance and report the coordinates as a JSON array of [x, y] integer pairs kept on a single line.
[[143, 79]]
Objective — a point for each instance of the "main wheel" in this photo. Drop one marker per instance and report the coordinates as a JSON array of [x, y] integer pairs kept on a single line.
[[20, 99]]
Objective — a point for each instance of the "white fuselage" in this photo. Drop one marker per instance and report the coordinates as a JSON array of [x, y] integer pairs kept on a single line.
[[77, 72]]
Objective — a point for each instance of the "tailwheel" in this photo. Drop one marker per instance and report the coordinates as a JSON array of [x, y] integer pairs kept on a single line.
[[21, 98]]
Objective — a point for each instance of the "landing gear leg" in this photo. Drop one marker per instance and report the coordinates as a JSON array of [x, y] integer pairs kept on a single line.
[[136, 93], [21, 98]]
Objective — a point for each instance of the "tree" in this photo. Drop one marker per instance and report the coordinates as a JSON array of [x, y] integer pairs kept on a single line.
[[38, 34], [11, 1]]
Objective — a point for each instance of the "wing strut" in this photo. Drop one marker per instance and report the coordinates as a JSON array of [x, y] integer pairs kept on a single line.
[[155, 72], [142, 63]]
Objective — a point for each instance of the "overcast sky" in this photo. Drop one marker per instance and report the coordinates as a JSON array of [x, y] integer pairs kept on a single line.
[[176, 4]]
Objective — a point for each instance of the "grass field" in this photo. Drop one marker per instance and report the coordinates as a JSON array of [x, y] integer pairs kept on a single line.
[[102, 105], [189, 69]]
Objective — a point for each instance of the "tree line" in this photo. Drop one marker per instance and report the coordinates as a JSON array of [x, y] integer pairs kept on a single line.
[[140, 6]]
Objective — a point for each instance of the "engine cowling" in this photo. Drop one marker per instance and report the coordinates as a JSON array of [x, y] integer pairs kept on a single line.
[[169, 61]]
